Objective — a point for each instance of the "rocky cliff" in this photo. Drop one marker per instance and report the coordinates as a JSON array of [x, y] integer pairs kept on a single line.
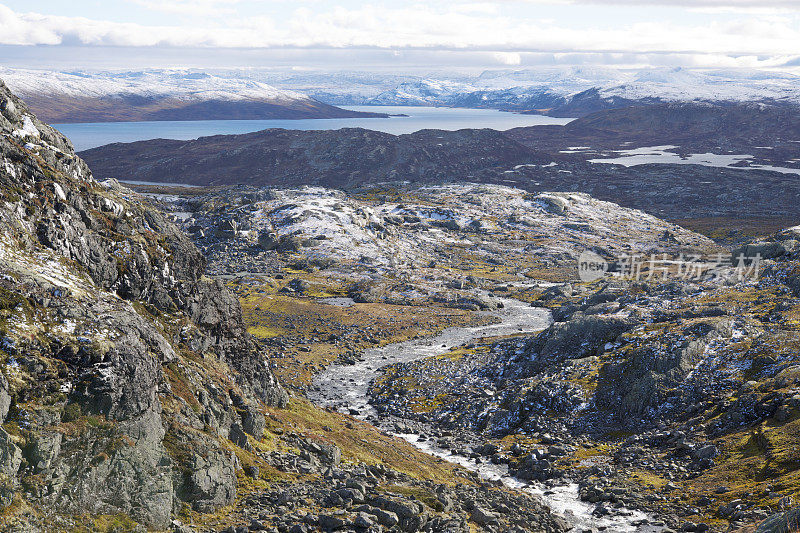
[[126, 374]]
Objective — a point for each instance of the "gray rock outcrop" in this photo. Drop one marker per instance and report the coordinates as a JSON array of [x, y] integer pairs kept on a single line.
[[125, 368]]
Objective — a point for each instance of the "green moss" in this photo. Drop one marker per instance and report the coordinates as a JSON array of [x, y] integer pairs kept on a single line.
[[181, 386], [99, 422], [118, 523], [72, 412], [414, 493], [177, 451]]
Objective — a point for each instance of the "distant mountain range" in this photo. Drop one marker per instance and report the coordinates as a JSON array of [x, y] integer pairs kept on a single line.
[[562, 91], [64, 97], [187, 94], [577, 92]]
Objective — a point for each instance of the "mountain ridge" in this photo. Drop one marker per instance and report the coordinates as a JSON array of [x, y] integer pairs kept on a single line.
[[106, 320], [62, 97]]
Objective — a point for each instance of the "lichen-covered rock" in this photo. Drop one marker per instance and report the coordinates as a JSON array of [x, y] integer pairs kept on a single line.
[[785, 522], [577, 338], [116, 348], [212, 480], [10, 455]]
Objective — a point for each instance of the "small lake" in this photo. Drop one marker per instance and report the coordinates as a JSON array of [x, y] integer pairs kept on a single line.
[[648, 155], [90, 135]]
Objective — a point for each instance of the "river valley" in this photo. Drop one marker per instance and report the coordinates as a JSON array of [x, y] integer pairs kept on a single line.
[[345, 387]]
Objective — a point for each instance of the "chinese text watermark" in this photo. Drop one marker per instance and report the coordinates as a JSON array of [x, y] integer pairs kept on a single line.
[[641, 267]]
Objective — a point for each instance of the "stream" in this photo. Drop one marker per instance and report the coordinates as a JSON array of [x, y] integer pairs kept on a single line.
[[345, 387]]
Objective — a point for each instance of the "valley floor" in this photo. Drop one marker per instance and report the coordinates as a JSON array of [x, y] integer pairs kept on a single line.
[[664, 404]]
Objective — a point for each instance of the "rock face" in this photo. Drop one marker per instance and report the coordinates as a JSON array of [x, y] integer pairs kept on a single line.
[[780, 522], [121, 360]]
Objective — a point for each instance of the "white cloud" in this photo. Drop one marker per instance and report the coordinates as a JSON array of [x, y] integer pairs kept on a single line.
[[16, 29], [508, 58], [428, 27], [194, 8], [734, 5]]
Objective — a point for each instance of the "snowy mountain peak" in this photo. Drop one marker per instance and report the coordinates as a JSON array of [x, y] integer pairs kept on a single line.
[[180, 84]]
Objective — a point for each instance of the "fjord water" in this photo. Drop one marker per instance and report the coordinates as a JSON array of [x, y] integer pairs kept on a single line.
[[91, 135]]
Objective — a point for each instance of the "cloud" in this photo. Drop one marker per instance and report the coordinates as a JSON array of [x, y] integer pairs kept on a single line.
[[508, 58], [193, 8], [14, 29], [428, 27], [733, 5]]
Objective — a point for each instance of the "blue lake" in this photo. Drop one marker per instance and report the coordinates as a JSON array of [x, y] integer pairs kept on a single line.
[[90, 135]]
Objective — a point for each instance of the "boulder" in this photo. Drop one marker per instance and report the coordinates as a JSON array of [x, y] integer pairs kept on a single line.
[[785, 522], [709, 451], [766, 250], [578, 338], [482, 517], [556, 205]]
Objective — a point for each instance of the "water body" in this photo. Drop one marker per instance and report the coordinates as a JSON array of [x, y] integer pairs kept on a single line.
[[345, 387], [648, 155], [563, 499], [91, 135]]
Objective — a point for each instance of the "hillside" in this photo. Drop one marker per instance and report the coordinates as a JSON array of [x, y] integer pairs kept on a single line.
[[108, 324], [344, 157], [689, 125], [132, 397], [64, 97], [539, 158]]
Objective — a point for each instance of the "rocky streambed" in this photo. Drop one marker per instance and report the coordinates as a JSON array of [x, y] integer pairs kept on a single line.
[[345, 387]]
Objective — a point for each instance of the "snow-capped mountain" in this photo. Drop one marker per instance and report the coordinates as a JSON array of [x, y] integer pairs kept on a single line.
[[585, 90], [189, 94], [80, 96], [179, 84]]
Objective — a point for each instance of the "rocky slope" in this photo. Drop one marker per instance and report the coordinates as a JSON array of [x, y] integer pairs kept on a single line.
[[125, 370], [400, 230], [675, 396], [133, 398]]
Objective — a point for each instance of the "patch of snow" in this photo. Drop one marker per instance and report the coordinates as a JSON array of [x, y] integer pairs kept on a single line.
[[28, 129], [648, 155]]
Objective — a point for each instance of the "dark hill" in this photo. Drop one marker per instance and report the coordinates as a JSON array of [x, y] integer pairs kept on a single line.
[[343, 157]]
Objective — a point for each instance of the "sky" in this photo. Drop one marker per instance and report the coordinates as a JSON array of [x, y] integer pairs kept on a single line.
[[348, 34]]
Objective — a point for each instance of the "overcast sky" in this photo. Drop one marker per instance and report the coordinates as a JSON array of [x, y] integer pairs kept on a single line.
[[390, 34]]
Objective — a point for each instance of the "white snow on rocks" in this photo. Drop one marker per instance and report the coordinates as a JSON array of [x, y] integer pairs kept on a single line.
[[28, 129], [180, 84], [393, 234]]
